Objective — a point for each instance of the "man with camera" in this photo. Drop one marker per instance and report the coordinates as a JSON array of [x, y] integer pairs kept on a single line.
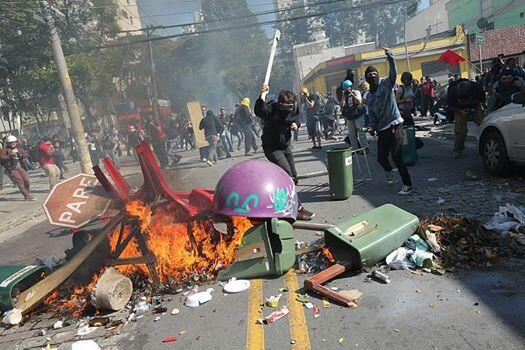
[[465, 99]]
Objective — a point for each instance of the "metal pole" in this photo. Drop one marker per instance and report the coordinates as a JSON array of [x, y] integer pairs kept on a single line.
[[480, 59], [155, 102], [276, 39], [405, 36], [69, 95]]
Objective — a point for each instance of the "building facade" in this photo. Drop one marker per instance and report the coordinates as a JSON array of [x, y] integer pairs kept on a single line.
[[434, 17], [128, 15], [497, 13], [423, 59]]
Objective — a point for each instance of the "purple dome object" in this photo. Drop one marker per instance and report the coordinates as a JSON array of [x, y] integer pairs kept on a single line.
[[256, 189]]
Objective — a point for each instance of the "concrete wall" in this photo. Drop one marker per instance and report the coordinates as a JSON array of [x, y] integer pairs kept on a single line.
[[128, 12], [434, 16]]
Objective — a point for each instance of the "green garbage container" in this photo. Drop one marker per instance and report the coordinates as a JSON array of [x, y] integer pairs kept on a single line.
[[367, 239], [340, 173], [409, 148], [267, 249], [15, 279]]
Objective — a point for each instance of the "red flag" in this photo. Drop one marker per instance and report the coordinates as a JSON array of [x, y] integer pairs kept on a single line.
[[450, 57]]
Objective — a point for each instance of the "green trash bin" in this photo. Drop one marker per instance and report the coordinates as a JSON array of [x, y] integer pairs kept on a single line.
[[267, 249], [340, 173], [409, 148], [15, 279]]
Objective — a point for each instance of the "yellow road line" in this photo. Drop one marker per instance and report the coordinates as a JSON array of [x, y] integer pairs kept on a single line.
[[255, 332], [297, 319]]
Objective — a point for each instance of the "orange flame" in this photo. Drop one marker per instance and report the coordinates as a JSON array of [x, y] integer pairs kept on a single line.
[[181, 250], [327, 253]]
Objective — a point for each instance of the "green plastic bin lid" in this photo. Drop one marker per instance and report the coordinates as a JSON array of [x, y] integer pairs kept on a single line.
[[13, 275]]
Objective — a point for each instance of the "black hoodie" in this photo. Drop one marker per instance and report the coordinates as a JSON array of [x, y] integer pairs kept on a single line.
[[276, 131]]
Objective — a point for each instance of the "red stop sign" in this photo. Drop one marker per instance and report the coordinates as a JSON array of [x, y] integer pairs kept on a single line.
[[76, 201]]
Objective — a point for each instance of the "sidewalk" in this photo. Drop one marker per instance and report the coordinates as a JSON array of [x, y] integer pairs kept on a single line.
[[16, 214]]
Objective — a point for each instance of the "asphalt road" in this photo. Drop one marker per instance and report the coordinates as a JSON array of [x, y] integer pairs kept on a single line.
[[471, 309]]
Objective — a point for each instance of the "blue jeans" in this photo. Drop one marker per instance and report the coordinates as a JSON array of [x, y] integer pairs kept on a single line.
[[226, 145]]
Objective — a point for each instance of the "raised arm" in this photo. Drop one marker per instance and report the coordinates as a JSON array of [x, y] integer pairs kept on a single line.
[[392, 73]]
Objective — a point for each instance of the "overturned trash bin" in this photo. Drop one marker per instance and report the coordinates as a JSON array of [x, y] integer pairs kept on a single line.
[[340, 173], [266, 250], [367, 239], [15, 279]]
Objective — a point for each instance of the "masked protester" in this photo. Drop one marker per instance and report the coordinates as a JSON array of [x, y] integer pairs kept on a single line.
[[405, 98], [465, 99], [12, 157], [386, 120], [508, 84], [280, 119], [212, 127], [247, 126]]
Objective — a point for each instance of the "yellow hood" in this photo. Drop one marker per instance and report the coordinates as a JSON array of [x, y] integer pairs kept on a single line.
[[246, 102]]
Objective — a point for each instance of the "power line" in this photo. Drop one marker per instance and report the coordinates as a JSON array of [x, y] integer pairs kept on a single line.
[[256, 14], [205, 31]]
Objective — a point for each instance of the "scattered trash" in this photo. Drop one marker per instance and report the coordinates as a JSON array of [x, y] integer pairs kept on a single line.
[[182, 332], [440, 201], [51, 263], [418, 291], [292, 341], [160, 310], [85, 345], [41, 332], [308, 305], [326, 303], [341, 340], [169, 339], [85, 330], [98, 321], [432, 179], [236, 286], [273, 301], [141, 307], [12, 317], [58, 325], [175, 311], [435, 228], [334, 289], [416, 242], [422, 258], [276, 315], [156, 319], [509, 217], [302, 298], [283, 290], [195, 300], [399, 260], [397, 330], [381, 277], [316, 311], [431, 239]]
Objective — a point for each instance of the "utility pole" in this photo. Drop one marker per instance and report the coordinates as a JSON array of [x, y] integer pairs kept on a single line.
[[69, 95], [155, 97], [405, 36]]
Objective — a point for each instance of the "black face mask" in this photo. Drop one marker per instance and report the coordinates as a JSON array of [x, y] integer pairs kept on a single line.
[[373, 81], [286, 107]]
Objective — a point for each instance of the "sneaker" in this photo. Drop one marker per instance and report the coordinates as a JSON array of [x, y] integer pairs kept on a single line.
[[209, 162], [31, 198], [406, 190], [305, 215], [456, 154], [389, 177]]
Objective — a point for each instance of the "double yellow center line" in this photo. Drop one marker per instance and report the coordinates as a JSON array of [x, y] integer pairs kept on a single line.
[[296, 318]]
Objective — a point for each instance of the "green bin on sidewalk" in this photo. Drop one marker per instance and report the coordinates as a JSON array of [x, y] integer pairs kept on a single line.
[[340, 173]]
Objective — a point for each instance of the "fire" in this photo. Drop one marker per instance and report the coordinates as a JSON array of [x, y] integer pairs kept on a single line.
[[182, 250], [75, 300], [327, 253]]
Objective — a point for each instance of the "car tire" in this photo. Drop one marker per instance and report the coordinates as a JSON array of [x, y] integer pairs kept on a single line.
[[494, 154]]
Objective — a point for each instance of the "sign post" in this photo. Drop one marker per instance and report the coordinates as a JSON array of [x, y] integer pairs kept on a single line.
[[480, 38], [76, 201]]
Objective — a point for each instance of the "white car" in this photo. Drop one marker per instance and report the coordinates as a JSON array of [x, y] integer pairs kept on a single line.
[[502, 137]]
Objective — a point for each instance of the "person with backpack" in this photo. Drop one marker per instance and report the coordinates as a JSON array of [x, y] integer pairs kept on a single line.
[[405, 98], [352, 110]]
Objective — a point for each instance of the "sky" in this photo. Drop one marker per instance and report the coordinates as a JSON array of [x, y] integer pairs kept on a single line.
[[167, 12]]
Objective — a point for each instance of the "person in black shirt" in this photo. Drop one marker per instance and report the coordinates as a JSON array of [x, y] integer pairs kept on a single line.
[[465, 99], [212, 127], [312, 122], [280, 119]]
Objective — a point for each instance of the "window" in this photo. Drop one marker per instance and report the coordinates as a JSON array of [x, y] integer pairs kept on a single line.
[[124, 14], [131, 19]]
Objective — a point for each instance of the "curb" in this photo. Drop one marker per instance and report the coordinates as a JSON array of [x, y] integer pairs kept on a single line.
[[450, 135]]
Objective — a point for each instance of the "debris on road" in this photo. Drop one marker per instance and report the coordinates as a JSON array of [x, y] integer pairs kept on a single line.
[[197, 299], [169, 339], [399, 260], [85, 345], [316, 311], [236, 286], [277, 315], [351, 294], [508, 218], [273, 301], [175, 311], [12, 317], [379, 276]]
